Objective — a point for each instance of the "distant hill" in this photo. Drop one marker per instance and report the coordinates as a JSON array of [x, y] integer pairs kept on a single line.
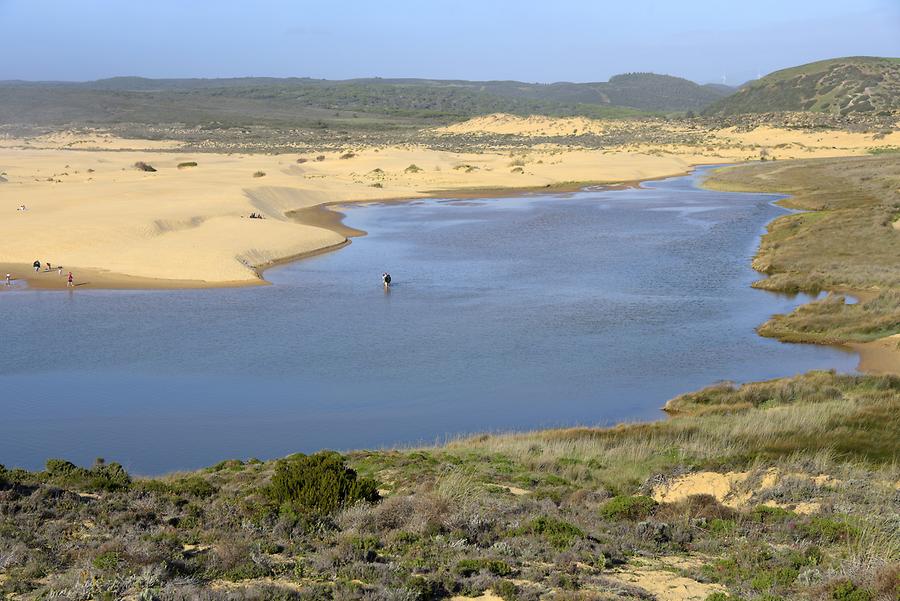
[[375, 102], [857, 84]]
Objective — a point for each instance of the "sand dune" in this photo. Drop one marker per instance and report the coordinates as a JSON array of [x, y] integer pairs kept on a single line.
[[93, 211], [535, 125]]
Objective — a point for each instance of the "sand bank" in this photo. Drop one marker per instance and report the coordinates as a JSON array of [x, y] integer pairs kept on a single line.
[[880, 356], [188, 226]]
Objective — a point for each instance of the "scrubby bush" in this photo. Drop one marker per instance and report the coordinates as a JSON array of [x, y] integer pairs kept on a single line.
[[637, 507], [187, 164], [259, 174], [302, 160], [194, 486], [348, 155], [558, 533], [828, 529], [102, 476], [847, 591], [320, 158], [469, 567], [142, 166], [413, 169], [319, 483]]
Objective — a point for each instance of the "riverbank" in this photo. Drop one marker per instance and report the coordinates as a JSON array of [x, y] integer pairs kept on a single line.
[[844, 241]]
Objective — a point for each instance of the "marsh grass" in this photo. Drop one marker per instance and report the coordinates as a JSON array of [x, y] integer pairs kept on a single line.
[[846, 242]]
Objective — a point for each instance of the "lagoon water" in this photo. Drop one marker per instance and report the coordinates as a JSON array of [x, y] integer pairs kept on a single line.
[[507, 314]]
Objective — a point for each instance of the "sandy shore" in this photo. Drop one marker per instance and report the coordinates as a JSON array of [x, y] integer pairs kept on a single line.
[[880, 356], [90, 210]]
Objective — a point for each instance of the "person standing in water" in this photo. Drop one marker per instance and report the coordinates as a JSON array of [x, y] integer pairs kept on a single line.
[[386, 278], [8, 278]]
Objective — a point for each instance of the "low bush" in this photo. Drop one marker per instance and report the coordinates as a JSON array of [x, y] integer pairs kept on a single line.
[[187, 164], [470, 567], [560, 534], [194, 486], [259, 174], [845, 590], [102, 476], [142, 166], [319, 484], [413, 169], [637, 507], [829, 530]]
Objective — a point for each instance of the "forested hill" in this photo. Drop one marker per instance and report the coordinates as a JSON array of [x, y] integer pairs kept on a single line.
[[374, 102]]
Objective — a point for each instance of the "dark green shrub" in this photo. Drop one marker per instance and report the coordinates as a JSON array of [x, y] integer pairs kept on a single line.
[[194, 486], [423, 588], [768, 514], [828, 529], [719, 526], [103, 476], [319, 483], [628, 508], [469, 567], [847, 591], [107, 562], [558, 533], [232, 465], [507, 590]]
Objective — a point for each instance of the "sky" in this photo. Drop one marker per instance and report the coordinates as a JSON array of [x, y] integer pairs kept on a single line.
[[527, 40]]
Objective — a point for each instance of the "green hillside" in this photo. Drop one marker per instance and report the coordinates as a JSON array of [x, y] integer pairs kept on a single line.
[[838, 86]]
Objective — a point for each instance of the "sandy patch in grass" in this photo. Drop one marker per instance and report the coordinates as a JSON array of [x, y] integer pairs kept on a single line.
[[731, 488], [880, 356], [664, 584]]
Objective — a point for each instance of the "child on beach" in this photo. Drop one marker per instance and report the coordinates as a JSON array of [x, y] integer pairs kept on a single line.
[[69, 281], [36, 265]]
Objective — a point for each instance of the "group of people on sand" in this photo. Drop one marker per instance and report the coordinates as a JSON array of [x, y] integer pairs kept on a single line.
[[70, 280]]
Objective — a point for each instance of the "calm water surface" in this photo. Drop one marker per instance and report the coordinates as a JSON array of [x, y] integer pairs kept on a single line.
[[506, 314]]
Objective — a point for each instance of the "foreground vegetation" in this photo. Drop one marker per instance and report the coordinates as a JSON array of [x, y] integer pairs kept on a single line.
[[565, 514], [845, 239]]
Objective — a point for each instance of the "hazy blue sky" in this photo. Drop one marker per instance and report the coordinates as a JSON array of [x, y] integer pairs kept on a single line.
[[551, 40]]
